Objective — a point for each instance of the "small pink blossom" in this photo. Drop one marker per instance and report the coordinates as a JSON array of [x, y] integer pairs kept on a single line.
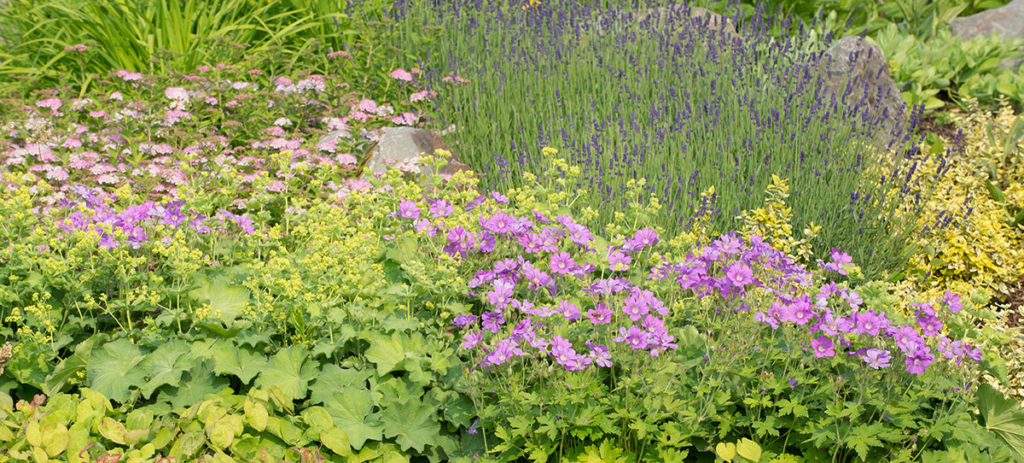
[[422, 95], [401, 74], [79, 48], [53, 104]]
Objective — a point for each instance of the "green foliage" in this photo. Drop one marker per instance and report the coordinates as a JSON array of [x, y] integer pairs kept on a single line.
[[1003, 417], [161, 36], [945, 68]]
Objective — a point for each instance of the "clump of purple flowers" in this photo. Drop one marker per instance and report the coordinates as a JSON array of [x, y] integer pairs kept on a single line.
[[532, 301], [830, 315], [550, 299], [102, 219]]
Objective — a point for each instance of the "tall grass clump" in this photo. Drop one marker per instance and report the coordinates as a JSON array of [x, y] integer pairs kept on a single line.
[[65, 42], [676, 101]]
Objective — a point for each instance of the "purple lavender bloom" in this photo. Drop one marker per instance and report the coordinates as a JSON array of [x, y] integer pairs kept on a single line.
[[876, 358], [464, 320], [471, 430], [408, 210]]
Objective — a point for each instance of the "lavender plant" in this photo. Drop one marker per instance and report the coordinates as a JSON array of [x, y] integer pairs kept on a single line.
[[676, 102]]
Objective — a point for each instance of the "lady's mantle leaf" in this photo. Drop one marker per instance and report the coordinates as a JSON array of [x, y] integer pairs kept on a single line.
[[290, 371], [226, 300], [351, 412], [411, 423], [1004, 417], [388, 353], [234, 360], [111, 370], [195, 386], [165, 365]]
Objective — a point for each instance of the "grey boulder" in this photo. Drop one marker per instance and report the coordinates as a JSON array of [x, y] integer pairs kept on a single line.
[[1006, 21], [857, 62]]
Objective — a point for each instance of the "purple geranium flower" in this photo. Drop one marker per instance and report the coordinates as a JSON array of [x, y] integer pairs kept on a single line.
[[464, 320], [600, 314], [823, 347], [471, 339], [619, 262], [441, 208], [562, 263], [876, 358], [408, 210], [919, 362]]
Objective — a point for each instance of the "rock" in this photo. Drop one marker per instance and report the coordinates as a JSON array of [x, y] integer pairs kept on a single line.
[[403, 146], [1006, 21], [863, 64], [676, 18]]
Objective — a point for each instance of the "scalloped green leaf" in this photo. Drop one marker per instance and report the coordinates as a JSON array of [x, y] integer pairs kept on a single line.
[[291, 371], [165, 365], [112, 370], [412, 423], [351, 412], [1004, 417], [229, 359]]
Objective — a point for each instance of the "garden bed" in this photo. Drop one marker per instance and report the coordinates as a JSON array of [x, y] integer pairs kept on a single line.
[[198, 264]]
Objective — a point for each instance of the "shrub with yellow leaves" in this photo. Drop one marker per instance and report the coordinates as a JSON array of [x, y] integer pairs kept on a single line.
[[968, 230], [773, 222]]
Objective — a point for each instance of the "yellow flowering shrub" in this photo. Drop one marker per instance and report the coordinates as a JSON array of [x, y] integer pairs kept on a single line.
[[967, 233]]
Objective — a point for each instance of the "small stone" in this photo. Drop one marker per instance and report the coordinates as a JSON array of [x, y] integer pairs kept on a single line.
[[403, 146]]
